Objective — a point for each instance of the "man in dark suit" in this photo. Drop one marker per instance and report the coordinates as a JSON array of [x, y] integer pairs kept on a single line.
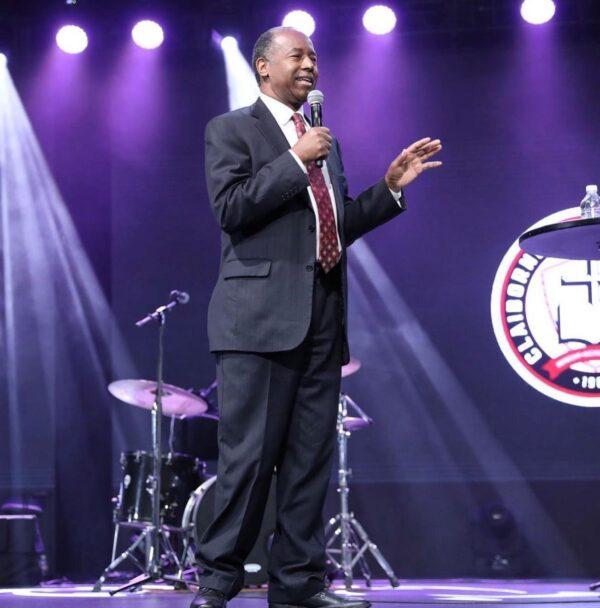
[[277, 321]]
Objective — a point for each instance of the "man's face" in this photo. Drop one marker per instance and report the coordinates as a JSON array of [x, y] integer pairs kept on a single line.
[[291, 68]]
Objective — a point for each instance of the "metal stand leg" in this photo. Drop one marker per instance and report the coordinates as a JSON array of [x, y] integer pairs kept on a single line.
[[127, 554], [344, 529]]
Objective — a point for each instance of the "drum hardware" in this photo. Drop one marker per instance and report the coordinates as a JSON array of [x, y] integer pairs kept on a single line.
[[133, 511], [180, 475], [154, 537], [209, 396], [347, 541], [133, 506]]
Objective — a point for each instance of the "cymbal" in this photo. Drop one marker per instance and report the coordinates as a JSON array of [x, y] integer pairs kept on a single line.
[[353, 423], [175, 401], [351, 367]]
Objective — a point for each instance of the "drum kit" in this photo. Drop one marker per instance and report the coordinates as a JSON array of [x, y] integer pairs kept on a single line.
[[186, 496]]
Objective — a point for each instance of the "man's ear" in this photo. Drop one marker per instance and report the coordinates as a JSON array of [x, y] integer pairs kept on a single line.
[[261, 68]]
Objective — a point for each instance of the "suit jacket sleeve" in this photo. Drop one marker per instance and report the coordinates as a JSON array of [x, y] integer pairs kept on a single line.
[[243, 198], [370, 209]]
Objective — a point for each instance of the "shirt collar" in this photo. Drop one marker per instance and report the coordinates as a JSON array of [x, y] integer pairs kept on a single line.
[[281, 112]]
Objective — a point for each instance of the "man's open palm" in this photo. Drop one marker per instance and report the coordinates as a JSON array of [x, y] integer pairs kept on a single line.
[[412, 162]]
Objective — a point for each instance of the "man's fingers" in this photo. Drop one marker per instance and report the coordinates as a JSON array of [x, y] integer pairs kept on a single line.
[[431, 153], [435, 144], [418, 149], [417, 145], [431, 165]]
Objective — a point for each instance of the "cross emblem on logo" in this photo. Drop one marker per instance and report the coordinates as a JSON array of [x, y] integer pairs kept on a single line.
[[591, 281], [579, 316]]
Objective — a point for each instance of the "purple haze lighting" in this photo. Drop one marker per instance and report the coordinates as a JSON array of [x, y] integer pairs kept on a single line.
[[147, 34], [71, 39], [301, 21], [379, 19], [229, 43], [537, 12]]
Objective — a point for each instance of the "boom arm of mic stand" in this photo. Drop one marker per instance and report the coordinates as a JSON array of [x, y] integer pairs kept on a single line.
[[157, 314]]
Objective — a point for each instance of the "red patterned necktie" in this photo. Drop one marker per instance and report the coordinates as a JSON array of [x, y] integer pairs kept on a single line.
[[329, 251]]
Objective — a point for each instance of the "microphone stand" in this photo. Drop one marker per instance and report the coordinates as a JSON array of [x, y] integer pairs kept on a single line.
[[155, 533]]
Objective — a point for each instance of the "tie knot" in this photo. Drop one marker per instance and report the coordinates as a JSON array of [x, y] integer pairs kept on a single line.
[[299, 122]]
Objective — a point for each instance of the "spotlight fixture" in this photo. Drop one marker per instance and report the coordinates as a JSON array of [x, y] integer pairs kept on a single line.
[[229, 43], [379, 20], [71, 39], [148, 34], [538, 12], [301, 21]]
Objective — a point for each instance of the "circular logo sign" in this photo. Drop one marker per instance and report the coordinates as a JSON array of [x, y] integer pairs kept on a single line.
[[546, 317]]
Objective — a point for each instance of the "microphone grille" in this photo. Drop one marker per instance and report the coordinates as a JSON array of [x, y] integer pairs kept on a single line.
[[315, 96]]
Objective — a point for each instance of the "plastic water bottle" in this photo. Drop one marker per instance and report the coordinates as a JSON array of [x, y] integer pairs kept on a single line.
[[590, 205]]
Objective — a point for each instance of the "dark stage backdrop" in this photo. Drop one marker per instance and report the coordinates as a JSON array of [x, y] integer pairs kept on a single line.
[[456, 431]]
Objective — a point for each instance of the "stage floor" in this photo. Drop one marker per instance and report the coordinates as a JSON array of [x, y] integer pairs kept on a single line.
[[423, 593]]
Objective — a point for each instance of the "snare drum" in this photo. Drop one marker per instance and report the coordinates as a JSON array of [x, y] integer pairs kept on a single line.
[[180, 476]]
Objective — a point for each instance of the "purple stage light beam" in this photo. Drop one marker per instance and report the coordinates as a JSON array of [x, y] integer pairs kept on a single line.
[[379, 19], [3, 60], [148, 34], [538, 12], [71, 39], [301, 21]]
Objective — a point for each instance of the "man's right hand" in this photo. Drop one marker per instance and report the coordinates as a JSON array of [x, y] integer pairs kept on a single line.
[[313, 145]]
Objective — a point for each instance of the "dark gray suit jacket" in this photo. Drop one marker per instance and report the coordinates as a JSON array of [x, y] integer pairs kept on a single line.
[[263, 297]]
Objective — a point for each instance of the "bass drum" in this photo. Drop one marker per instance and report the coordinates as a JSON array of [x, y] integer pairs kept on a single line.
[[199, 513]]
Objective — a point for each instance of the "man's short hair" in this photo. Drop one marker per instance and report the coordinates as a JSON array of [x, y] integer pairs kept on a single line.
[[262, 47]]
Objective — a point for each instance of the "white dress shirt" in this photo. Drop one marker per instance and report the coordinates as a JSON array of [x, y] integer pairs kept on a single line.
[[283, 117]]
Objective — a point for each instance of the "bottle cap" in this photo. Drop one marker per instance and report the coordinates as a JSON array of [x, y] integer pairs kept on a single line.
[[591, 189]]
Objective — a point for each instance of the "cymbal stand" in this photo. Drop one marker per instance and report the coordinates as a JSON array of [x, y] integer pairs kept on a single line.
[[344, 530], [155, 535]]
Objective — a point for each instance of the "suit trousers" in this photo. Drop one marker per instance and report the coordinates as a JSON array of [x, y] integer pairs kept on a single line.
[[277, 412]]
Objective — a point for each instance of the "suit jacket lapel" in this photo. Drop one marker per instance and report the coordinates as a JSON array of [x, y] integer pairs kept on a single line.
[[267, 125]]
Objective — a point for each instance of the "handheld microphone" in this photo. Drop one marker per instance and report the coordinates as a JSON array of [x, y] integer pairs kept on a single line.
[[315, 100]]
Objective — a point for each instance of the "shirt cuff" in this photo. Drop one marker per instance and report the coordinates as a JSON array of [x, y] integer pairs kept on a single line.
[[302, 165], [397, 196]]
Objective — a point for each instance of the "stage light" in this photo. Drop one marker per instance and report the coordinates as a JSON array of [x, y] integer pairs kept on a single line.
[[229, 43], [3, 60], [379, 20], [241, 83], [148, 34], [301, 21], [71, 39], [537, 12]]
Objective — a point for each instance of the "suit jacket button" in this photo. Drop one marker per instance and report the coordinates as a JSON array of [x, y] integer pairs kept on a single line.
[[311, 228], [309, 268]]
